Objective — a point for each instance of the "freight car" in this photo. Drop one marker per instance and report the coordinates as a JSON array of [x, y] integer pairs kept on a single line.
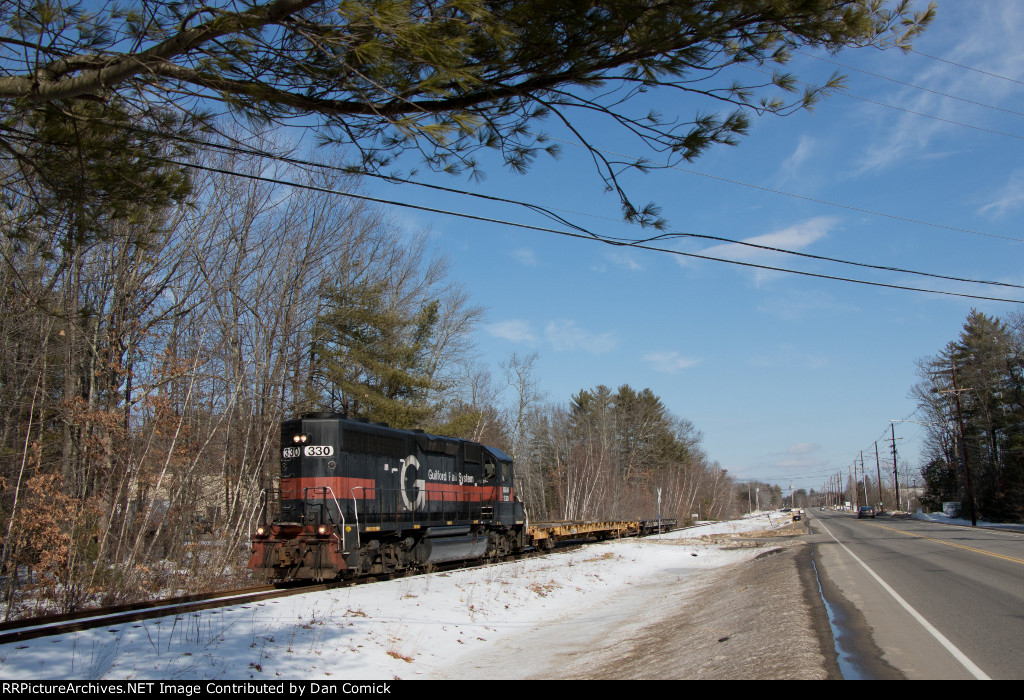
[[362, 498]]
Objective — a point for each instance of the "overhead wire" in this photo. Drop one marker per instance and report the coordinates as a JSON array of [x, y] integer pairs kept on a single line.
[[642, 243], [560, 219], [965, 67], [589, 237], [545, 211], [911, 85]]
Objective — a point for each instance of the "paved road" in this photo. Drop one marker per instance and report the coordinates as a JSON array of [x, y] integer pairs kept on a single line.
[[937, 601]]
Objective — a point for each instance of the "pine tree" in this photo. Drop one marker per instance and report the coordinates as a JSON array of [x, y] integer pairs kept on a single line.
[[443, 78], [371, 358]]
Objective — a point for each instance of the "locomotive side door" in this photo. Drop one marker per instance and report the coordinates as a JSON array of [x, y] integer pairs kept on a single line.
[[505, 485], [498, 473]]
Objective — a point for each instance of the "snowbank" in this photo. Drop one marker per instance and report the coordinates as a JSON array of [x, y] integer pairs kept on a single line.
[[945, 519], [407, 628]]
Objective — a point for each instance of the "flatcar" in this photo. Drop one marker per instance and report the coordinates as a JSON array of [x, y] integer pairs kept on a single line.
[[360, 498]]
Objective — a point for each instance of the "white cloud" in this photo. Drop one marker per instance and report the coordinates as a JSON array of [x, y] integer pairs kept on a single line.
[[525, 256], [794, 237], [803, 448], [798, 463], [515, 330], [620, 259], [804, 149], [566, 335], [797, 306], [986, 40], [1009, 199], [668, 361]]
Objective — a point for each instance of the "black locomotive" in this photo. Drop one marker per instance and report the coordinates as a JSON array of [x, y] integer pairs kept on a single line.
[[363, 498]]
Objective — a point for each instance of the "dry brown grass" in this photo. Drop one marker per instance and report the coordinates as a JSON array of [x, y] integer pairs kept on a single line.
[[542, 589]]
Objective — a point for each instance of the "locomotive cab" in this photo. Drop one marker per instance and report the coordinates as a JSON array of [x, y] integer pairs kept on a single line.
[[361, 498]]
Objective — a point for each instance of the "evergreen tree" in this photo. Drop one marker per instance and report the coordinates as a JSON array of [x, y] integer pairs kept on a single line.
[[371, 358], [444, 78], [987, 361], [940, 484]]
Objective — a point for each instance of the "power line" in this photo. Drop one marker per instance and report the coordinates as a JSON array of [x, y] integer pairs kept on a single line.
[[904, 109], [590, 237], [667, 236], [770, 190], [960, 65], [550, 213], [828, 259], [911, 85], [626, 241]]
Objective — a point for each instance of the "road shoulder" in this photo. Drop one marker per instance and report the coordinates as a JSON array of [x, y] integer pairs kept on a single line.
[[759, 619]]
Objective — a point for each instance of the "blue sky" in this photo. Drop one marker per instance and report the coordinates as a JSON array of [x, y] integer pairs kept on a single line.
[[787, 377]]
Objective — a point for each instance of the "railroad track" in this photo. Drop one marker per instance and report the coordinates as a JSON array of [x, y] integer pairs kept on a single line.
[[23, 630]]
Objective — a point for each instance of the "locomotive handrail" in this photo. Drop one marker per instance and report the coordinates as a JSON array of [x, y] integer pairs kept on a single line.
[[341, 513], [355, 511], [270, 498]]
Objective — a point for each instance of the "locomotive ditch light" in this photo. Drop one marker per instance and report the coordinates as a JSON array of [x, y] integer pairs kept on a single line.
[[323, 530], [261, 531]]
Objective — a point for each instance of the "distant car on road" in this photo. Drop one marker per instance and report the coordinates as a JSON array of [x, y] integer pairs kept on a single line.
[[866, 512]]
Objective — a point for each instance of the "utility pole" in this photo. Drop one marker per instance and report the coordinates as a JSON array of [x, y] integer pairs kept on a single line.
[[895, 473], [878, 471], [864, 475], [963, 445]]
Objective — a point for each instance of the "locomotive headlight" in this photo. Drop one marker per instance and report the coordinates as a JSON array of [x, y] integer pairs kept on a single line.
[[300, 438]]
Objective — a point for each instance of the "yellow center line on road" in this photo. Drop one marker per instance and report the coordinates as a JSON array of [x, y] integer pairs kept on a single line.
[[951, 544]]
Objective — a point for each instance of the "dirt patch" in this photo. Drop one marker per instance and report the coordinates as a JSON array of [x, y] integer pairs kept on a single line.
[[753, 620], [750, 538]]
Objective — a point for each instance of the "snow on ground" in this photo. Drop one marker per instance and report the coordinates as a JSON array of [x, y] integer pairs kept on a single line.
[[946, 520], [417, 627]]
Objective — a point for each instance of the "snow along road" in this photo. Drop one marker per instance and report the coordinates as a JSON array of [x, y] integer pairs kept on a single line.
[[692, 604]]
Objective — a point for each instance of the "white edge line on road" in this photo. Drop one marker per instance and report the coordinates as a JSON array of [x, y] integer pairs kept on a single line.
[[971, 667]]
